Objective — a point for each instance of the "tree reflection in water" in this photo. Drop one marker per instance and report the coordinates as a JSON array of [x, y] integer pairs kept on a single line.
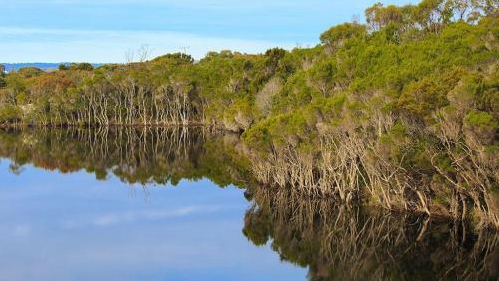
[[335, 242], [143, 155], [340, 243]]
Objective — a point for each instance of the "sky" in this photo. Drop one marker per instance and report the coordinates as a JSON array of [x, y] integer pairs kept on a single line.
[[101, 31]]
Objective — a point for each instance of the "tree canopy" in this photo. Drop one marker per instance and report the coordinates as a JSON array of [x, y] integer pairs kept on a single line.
[[401, 112]]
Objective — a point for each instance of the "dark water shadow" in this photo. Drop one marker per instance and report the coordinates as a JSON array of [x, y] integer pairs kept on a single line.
[[340, 243]]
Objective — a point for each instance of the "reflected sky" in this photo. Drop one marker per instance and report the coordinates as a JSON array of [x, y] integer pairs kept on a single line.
[[72, 227]]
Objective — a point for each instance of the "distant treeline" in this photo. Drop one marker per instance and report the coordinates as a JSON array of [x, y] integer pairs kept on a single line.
[[402, 111], [8, 67]]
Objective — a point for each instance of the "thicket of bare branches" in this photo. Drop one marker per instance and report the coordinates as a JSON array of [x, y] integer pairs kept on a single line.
[[341, 243]]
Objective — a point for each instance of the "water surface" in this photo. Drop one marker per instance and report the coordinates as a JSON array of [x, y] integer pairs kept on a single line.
[[72, 227], [181, 204]]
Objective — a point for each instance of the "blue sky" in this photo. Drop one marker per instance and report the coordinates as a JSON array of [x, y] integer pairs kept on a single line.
[[105, 30]]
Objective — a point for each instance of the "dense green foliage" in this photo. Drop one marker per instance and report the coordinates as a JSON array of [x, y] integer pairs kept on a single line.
[[401, 112]]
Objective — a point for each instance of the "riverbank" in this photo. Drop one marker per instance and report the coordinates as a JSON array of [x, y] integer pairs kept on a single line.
[[400, 112]]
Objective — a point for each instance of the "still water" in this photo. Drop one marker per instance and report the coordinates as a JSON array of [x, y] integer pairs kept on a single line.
[[71, 227], [155, 204]]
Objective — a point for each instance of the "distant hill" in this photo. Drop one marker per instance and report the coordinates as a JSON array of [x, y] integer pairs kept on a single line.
[[42, 65]]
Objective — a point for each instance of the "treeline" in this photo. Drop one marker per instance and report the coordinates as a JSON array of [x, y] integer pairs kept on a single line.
[[169, 90], [112, 94], [401, 112]]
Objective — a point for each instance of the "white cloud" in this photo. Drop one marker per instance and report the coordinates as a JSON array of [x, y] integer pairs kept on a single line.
[[135, 216], [57, 45], [22, 230]]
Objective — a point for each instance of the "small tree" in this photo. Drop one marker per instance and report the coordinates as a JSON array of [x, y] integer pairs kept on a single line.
[[2, 75], [63, 67], [85, 66]]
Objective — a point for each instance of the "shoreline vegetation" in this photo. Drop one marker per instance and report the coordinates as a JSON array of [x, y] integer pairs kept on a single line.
[[401, 112]]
